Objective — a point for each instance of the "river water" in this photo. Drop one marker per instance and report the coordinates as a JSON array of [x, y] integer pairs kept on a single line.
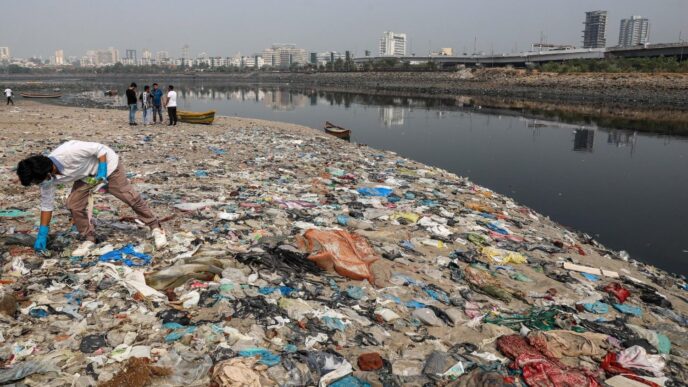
[[629, 189]]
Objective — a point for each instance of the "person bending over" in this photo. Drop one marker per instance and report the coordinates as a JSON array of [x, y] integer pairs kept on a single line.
[[79, 162]]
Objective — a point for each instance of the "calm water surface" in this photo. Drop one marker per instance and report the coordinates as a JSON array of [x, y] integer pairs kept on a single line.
[[629, 189]]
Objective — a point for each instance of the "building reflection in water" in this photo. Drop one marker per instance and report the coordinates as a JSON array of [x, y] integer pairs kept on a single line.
[[391, 116], [583, 140], [622, 138]]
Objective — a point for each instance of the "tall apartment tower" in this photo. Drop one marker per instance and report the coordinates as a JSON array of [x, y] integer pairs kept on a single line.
[[633, 31], [59, 57], [4, 53], [594, 35], [393, 44]]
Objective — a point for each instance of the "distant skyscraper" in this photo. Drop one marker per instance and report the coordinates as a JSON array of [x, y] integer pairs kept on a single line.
[[162, 57], [59, 58], [130, 54], [393, 44], [4, 53], [185, 52], [284, 55], [146, 56], [633, 31], [594, 35]]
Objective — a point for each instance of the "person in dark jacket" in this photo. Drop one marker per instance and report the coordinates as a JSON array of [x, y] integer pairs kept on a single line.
[[157, 102], [132, 102]]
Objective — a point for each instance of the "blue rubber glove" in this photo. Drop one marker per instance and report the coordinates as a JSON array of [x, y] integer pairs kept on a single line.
[[102, 171], [41, 239]]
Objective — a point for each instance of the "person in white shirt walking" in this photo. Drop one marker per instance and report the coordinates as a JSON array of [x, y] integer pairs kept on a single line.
[[9, 94], [79, 162], [171, 105]]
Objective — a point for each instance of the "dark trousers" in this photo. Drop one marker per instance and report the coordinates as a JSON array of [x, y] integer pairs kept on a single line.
[[9, 101], [172, 113], [157, 109]]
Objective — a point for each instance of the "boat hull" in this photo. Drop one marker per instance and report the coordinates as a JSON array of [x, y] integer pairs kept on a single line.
[[341, 133], [205, 118], [37, 95]]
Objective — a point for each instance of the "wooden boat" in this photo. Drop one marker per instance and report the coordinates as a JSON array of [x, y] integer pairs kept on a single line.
[[337, 131], [196, 118], [40, 95], [111, 93]]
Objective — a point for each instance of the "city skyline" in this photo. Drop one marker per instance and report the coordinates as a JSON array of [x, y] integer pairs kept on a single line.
[[429, 26]]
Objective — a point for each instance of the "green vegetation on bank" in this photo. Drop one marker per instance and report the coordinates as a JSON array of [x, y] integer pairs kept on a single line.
[[618, 65]]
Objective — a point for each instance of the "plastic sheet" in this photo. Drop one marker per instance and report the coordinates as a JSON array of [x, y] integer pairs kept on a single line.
[[349, 255]]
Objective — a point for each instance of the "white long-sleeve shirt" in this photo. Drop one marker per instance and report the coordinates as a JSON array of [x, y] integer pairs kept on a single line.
[[74, 161]]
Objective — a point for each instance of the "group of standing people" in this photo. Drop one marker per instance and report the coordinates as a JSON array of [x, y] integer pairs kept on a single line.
[[152, 103]]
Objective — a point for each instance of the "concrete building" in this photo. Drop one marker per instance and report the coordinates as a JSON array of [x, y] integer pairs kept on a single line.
[[284, 55], [633, 31], [252, 62], [4, 53], [59, 58], [445, 51], [186, 56], [162, 57], [594, 35], [393, 44]]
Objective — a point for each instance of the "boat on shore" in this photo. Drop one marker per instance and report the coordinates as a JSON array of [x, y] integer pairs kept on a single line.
[[206, 118], [40, 95], [110, 93], [337, 131]]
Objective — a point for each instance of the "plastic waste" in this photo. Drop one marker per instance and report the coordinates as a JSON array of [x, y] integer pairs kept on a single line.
[[347, 254], [120, 255], [375, 191]]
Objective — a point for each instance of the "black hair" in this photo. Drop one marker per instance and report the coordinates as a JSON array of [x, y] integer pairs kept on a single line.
[[155, 84], [170, 87], [34, 169], [146, 87], [133, 84]]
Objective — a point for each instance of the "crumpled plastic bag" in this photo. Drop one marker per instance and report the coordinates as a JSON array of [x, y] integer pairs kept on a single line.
[[637, 357], [501, 256], [349, 255], [236, 372]]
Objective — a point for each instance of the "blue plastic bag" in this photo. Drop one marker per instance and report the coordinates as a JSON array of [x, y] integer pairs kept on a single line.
[[375, 191], [266, 357], [628, 309], [120, 256]]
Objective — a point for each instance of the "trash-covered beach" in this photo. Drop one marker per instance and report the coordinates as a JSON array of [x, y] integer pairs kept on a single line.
[[296, 258]]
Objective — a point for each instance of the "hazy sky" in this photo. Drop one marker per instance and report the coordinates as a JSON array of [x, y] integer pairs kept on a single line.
[[39, 27]]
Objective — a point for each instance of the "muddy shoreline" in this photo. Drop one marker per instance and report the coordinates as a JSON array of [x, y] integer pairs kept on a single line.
[[647, 102]]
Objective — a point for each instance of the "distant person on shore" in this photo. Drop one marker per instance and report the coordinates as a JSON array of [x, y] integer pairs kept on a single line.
[[78, 162], [9, 94], [157, 102], [146, 99], [171, 105], [131, 101]]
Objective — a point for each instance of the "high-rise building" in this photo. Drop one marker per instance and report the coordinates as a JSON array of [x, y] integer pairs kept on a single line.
[[59, 58], [594, 35], [185, 52], [146, 56], [633, 31], [4, 53], [162, 57], [130, 56], [284, 55], [393, 44]]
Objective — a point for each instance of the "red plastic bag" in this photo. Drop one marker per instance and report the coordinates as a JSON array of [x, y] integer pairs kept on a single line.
[[617, 291], [349, 255]]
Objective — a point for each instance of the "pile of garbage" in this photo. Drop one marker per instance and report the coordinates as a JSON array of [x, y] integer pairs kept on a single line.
[[298, 259]]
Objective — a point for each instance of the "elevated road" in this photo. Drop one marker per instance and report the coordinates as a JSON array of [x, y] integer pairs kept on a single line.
[[678, 50]]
